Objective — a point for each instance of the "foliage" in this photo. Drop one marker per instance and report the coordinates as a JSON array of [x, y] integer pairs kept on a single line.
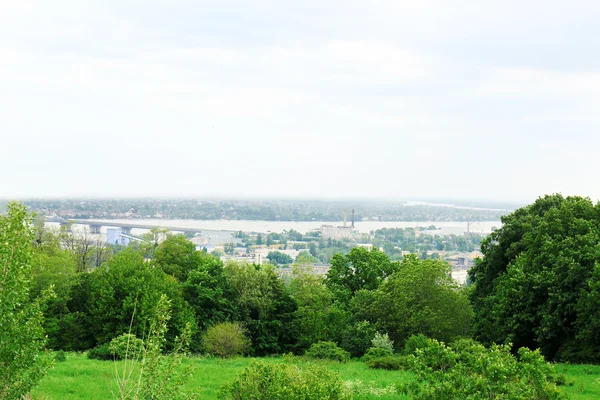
[[306, 258], [265, 307], [22, 360], [537, 285], [357, 337], [126, 346], [392, 363], [476, 372], [414, 343], [279, 258], [54, 266], [101, 352], [376, 352], [280, 381], [327, 351], [177, 256], [359, 269], [209, 293], [60, 356], [317, 317], [226, 340], [380, 341], [128, 285], [421, 297], [152, 375]]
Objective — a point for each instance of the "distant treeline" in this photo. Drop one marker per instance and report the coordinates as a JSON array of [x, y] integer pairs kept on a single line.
[[267, 210]]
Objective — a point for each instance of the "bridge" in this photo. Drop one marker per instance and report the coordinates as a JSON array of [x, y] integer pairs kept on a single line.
[[95, 226]]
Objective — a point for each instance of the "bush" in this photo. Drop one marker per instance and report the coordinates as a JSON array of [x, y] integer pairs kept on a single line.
[[126, 346], [392, 363], [281, 381], [414, 343], [60, 356], [383, 342], [327, 351], [227, 339], [376, 352], [100, 353], [477, 372]]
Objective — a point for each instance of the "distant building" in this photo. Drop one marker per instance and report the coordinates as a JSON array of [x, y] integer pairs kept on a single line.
[[337, 232], [116, 236]]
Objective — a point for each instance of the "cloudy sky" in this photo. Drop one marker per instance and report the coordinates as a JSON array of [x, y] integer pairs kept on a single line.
[[313, 98]]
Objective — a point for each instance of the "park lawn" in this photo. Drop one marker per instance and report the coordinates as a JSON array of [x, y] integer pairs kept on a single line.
[[81, 378], [583, 381]]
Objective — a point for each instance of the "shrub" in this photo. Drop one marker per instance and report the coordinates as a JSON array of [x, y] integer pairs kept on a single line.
[[376, 352], [153, 375], [392, 363], [477, 372], [383, 342], [126, 346], [227, 339], [327, 351], [100, 352], [60, 356], [282, 381], [414, 343]]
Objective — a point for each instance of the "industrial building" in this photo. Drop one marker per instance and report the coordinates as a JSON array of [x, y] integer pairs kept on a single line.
[[339, 232]]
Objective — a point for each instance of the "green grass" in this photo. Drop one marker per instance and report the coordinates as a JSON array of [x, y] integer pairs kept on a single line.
[[81, 378], [583, 381]]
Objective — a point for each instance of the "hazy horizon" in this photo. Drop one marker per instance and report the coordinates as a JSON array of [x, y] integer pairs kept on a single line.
[[494, 101]]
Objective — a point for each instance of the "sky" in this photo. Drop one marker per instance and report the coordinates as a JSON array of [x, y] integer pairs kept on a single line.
[[490, 99]]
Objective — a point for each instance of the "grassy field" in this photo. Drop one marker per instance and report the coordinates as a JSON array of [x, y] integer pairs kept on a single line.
[[81, 378]]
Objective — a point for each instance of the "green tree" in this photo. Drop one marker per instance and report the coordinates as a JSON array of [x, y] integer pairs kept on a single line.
[[537, 279], [421, 297], [277, 257], [54, 266], [304, 258], [177, 256], [265, 306], [208, 291], [359, 269], [129, 285], [22, 360], [317, 318]]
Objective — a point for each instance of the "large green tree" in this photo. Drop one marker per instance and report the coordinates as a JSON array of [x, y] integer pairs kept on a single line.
[[208, 291], [361, 269], [265, 306], [129, 287], [22, 339], [317, 318], [421, 298], [538, 279], [177, 256]]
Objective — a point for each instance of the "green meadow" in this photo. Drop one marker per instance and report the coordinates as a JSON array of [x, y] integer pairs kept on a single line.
[[81, 378]]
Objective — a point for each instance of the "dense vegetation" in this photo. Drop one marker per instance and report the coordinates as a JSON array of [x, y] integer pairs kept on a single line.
[[535, 293], [538, 283]]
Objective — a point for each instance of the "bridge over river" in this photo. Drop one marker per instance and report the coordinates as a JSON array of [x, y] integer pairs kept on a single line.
[[96, 226]]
